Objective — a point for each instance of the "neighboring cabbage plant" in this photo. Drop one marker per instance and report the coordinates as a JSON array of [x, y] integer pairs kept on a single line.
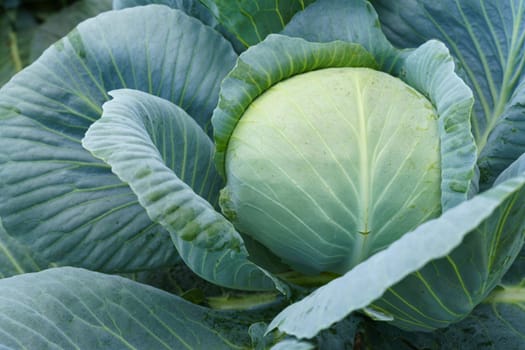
[[341, 188]]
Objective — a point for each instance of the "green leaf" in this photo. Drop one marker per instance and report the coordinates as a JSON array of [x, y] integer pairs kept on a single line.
[[495, 324], [428, 278], [430, 70], [343, 335], [193, 8], [516, 273], [275, 59], [55, 197], [70, 308], [353, 21], [58, 25], [166, 159], [489, 326], [250, 21], [487, 39], [515, 169], [16, 258], [506, 142]]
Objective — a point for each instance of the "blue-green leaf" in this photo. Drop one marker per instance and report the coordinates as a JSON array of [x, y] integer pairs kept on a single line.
[[515, 169], [430, 70], [497, 323], [16, 258], [167, 160], [250, 21], [516, 273], [70, 308], [347, 20], [490, 326], [193, 8], [487, 37], [55, 197], [436, 295]]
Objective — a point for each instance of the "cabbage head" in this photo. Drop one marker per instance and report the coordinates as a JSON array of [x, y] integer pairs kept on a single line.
[[330, 166]]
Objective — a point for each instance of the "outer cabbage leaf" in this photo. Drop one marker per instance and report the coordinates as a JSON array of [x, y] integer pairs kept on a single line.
[[156, 148], [496, 323], [16, 258], [55, 197], [491, 325], [430, 277], [250, 21], [487, 38], [516, 274], [348, 20], [430, 70], [70, 308], [193, 8]]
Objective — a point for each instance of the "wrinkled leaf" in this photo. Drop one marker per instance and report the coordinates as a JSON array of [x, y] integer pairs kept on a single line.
[[250, 21], [166, 158], [72, 308], [55, 197], [430, 70], [347, 20], [193, 8], [516, 273], [16, 258], [417, 306]]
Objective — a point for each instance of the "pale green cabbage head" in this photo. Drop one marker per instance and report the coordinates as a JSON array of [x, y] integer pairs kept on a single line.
[[329, 166]]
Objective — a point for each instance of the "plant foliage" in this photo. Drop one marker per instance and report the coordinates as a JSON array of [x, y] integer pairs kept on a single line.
[[332, 174]]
